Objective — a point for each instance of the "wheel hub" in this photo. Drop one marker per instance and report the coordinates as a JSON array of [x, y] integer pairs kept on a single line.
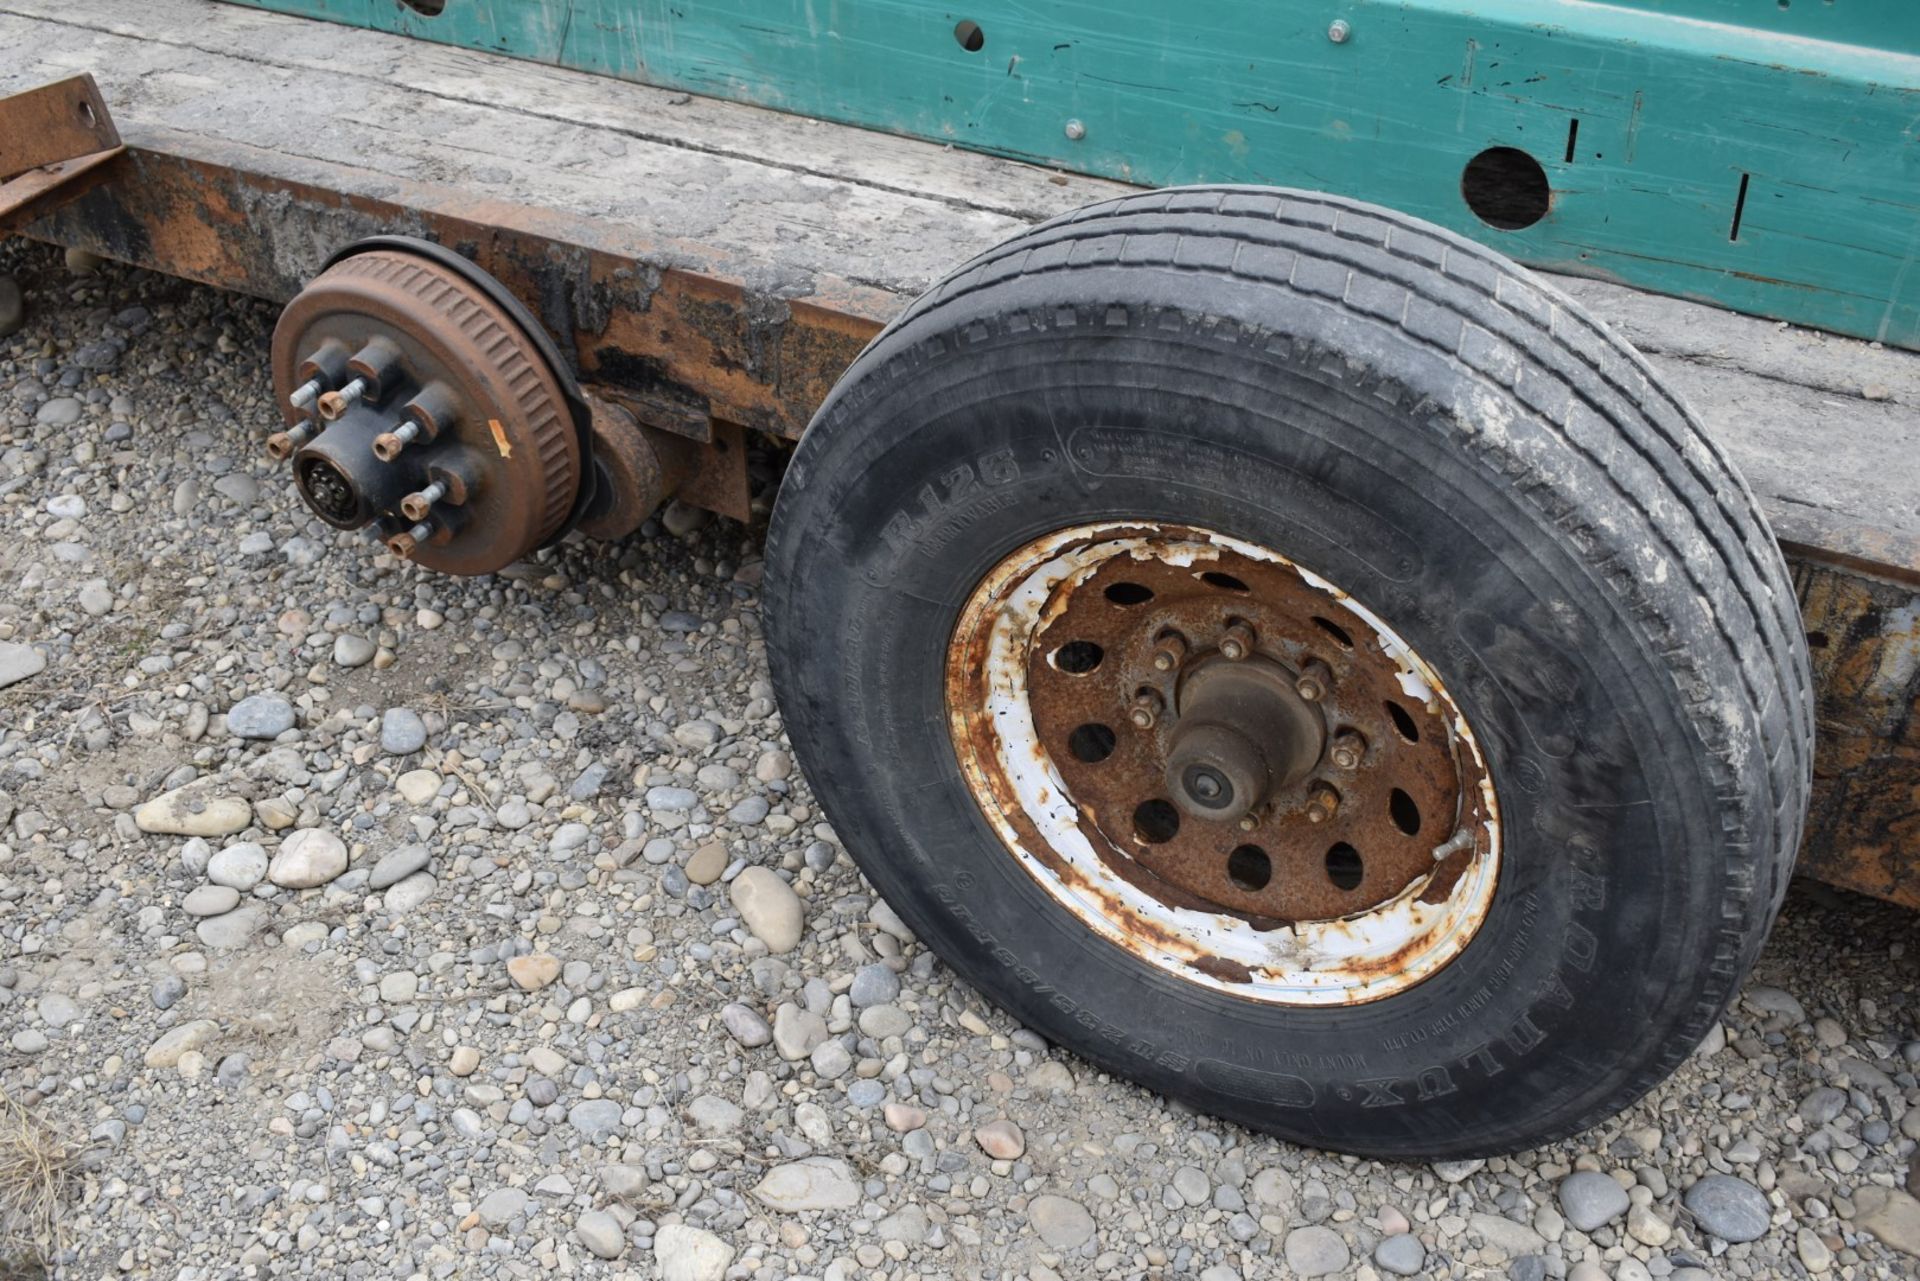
[[1221, 760], [1241, 732]]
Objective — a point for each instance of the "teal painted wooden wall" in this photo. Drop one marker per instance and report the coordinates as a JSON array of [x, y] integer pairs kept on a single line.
[[1650, 120]]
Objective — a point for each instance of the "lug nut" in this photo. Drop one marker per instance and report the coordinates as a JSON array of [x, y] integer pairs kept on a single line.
[[388, 444], [303, 394], [1348, 750], [1145, 711], [402, 545], [281, 445], [1238, 642], [1323, 804], [1168, 650], [1314, 681], [335, 403], [416, 506]]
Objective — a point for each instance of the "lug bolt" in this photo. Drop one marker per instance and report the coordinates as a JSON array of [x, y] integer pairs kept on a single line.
[[388, 444], [1348, 750], [1339, 31], [402, 545], [303, 394], [1250, 820], [1323, 804], [1168, 650], [416, 506], [1145, 711], [1238, 642], [335, 403], [1314, 681]]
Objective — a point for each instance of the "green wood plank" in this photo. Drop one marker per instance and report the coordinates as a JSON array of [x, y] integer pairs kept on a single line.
[[1648, 119]]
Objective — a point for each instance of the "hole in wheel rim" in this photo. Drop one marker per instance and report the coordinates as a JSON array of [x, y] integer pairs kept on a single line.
[[1091, 743], [1077, 658], [1124, 593], [1344, 867], [1403, 722], [1156, 822], [1404, 812], [1224, 581], [1249, 868]]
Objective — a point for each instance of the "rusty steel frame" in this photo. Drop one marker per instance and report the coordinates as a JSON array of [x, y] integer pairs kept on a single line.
[[672, 332], [55, 142]]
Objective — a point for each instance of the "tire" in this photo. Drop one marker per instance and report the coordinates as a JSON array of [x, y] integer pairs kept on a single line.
[[1455, 443]]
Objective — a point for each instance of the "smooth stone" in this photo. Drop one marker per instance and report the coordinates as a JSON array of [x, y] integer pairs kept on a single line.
[[873, 985], [211, 900], [815, 1183], [690, 1254], [166, 1052], [62, 411], [397, 865], [399, 987], [746, 1026], [1891, 1216], [57, 1010], [1729, 1208], [240, 866], [1589, 1199], [1316, 1252], [796, 1032], [410, 893], [260, 716], [232, 929], [310, 857], [1001, 1140], [418, 786], [1063, 1224], [1402, 1255], [600, 1232], [594, 1118], [534, 970], [768, 907], [350, 650], [1504, 1234], [193, 810], [707, 863], [402, 732], [501, 1207], [1822, 1105]]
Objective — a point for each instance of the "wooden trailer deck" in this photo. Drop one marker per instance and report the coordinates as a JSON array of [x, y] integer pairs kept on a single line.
[[714, 267]]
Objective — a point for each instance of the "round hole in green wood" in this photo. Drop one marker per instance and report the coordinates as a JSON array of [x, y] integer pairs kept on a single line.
[[969, 34], [1506, 188]]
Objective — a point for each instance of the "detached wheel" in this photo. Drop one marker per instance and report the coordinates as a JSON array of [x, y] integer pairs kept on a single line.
[[1291, 656]]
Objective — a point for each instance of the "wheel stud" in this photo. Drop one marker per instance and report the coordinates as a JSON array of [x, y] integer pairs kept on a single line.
[[388, 444], [1348, 750], [304, 394], [282, 444], [416, 506], [335, 403], [1145, 711], [1238, 642], [1314, 681], [1323, 804], [1250, 820], [1169, 649], [402, 545]]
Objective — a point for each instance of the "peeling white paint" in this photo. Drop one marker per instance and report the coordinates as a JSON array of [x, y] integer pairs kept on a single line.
[[1333, 962]]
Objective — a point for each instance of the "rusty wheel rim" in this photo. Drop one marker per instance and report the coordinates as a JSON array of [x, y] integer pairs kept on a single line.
[[1223, 763]]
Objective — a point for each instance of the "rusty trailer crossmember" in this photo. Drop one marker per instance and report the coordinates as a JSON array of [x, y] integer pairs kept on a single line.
[[704, 320]]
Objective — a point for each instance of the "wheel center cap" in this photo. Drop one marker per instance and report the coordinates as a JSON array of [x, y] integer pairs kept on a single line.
[[1242, 733]]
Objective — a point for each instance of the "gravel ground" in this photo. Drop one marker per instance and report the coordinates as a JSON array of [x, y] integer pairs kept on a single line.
[[494, 934]]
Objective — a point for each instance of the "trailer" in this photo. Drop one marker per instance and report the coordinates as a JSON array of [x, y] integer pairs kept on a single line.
[[1254, 629]]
